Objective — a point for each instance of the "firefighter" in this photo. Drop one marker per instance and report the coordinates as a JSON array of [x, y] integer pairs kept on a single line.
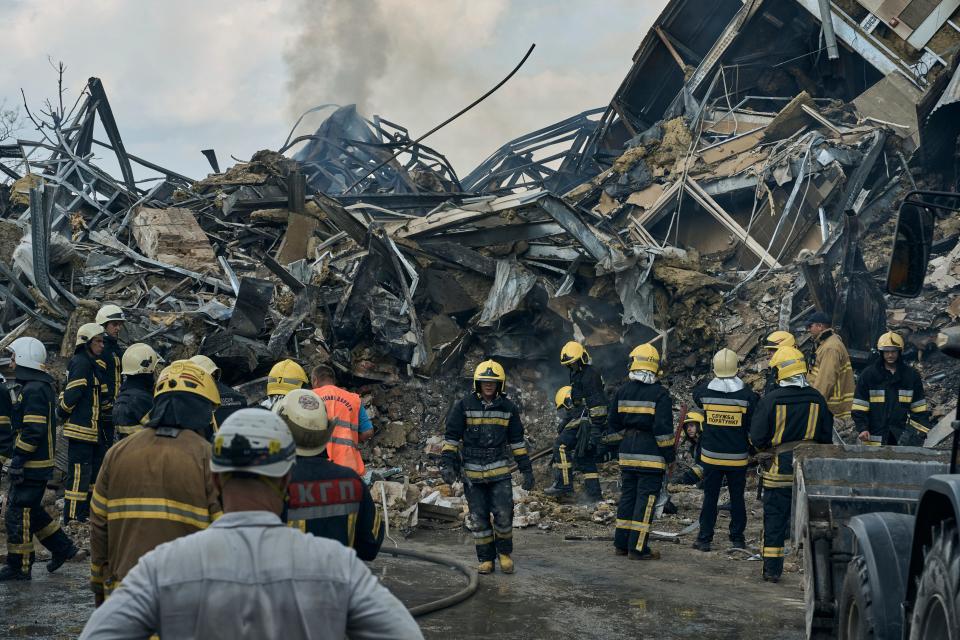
[[324, 498], [792, 413], [692, 434], [111, 318], [589, 401], [641, 420], [483, 430], [230, 399], [346, 412], [6, 414], [832, 374], [773, 342], [131, 410], [568, 428], [155, 485], [32, 466], [727, 405], [284, 377], [889, 406], [82, 411]]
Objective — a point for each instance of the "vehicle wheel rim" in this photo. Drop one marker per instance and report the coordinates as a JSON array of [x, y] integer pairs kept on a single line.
[[935, 626]]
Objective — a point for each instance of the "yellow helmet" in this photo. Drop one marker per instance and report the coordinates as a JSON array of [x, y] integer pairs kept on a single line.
[[88, 332], [890, 341], [645, 358], [206, 364], [572, 353], [694, 416], [725, 363], [564, 397], [489, 371], [183, 375], [779, 339], [139, 358], [285, 376], [789, 362]]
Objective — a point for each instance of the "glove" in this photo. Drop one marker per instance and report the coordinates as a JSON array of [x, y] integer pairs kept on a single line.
[[16, 471], [528, 481], [448, 474]]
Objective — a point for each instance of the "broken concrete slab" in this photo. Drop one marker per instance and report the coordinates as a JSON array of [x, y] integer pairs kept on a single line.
[[173, 236]]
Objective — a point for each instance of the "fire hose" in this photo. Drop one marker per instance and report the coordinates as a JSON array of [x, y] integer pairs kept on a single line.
[[436, 605]]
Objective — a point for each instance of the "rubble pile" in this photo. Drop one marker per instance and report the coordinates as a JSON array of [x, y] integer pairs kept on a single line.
[[742, 176]]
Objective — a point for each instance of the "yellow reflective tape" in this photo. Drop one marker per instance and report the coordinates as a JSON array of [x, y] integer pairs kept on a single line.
[[631, 525], [647, 516], [812, 417], [720, 462], [920, 408], [647, 464], [591, 476], [781, 424], [647, 410], [919, 427], [32, 418], [772, 552], [81, 382], [114, 504], [48, 530], [489, 473], [482, 541], [158, 515], [502, 422], [24, 446], [522, 451]]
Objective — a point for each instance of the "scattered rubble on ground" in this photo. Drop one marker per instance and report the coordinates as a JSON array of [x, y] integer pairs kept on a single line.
[[742, 176]]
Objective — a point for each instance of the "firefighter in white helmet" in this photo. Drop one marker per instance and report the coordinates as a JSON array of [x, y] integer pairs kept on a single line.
[[247, 561], [131, 410], [326, 499], [111, 318]]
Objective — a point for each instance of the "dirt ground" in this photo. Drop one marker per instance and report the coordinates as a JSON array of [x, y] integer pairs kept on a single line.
[[562, 589]]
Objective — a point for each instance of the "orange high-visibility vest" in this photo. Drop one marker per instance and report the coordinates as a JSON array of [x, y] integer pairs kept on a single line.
[[343, 412]]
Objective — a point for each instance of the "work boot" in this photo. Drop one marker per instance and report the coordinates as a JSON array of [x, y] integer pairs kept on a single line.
[[701, 545], [771, 577], [669, 508], [738, 543], [506, 563], [648, 554], [485, 567], [558, 491], [620, 552], [57, 560], [9, 573]]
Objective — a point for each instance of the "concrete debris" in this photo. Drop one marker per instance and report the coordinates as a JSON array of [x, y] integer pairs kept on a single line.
[[700, 208]]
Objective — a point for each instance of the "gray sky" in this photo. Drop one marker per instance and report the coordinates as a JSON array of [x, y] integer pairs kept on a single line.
[[184, 75]]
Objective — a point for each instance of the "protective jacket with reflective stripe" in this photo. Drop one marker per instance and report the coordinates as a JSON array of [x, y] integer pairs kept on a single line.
[[6, 422], [487, 435], [588, 395], [726, 426], [154, 486], [832, 374], [343, 412], [891, 406], [641, 417], [80, 401], [34, 424], [331, 501], [131, 410], [110, 359], [783, 418]]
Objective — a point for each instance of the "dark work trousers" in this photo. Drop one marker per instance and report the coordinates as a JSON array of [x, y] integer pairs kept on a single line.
[[638, 497], [776, 521], [736, 484], [565, 462], [25, 520], [83, 464], [485, 500]]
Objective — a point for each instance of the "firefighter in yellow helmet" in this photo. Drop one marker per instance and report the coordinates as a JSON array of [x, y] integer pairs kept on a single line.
[[155, 485], [568, 428], [284, 377], [692, 434], [889, 405], [727, 405], [230, 399], [585, 428], [773, 342], [133, 405], [483, 433], [793, 412], [641, 419]]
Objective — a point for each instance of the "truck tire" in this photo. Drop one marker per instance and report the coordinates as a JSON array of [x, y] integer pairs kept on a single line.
[[855, 619], [936, 611]]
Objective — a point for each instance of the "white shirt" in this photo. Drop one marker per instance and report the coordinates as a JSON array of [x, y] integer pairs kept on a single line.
[[249, 576]]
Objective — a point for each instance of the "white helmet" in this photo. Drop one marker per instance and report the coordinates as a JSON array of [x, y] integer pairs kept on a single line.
[[306, 416], [139, 358], [207, 365], [253, 441], [29, 353], [88, 332], [110, 313]]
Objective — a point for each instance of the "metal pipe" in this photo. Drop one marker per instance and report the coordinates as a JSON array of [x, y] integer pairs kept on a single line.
[[826, 17]]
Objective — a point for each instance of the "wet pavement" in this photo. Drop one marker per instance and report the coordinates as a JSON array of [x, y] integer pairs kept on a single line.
[[561, 590]]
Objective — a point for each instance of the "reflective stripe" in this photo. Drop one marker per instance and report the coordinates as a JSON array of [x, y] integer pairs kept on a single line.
[[644, 461], [631, 525], [344, 441], [158, 509], [32, 418], [500, 422], [591, 476], [636, 406], [81, 382], [48, 530], [564, 466], [918, 407], [337, 422], [781, 424], [725, 456], [905, 395], [647, 517], [325, 511], [772, 552], [730, 402], [860, 405], [665, 440], [598, 412], [812, 418], [24, 446], [488, 414], [919, 427]]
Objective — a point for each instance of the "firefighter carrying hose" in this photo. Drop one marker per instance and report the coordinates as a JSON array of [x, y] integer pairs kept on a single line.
[[584, 432], [641, 420], [889, 406], [484, 429], [131, 409], [792, 413]]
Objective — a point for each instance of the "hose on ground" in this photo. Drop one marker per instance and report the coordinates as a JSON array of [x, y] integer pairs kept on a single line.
[[436, 605]]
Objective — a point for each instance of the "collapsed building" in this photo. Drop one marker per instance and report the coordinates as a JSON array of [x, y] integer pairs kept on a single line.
[[746, 172]]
